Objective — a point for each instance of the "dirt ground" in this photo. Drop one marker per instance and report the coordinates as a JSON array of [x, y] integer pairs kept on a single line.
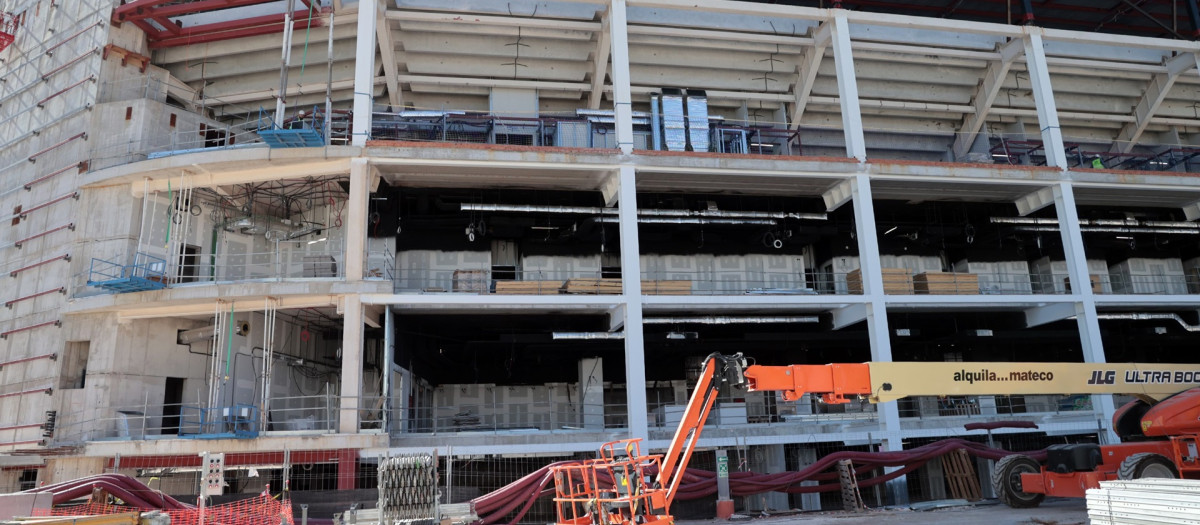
[[1051, 512]]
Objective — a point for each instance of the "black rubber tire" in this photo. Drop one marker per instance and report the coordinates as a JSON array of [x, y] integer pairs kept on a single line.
[[1006, 481], [1147, 465]]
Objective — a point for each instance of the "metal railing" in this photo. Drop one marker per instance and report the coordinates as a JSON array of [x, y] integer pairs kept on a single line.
[[317, 414], [924, 407], [516, 417]]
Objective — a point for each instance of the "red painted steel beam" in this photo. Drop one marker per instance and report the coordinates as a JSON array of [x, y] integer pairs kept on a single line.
[[262, 25], [130, 12]]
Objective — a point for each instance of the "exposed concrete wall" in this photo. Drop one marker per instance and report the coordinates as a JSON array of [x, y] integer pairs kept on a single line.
[[66, 468]]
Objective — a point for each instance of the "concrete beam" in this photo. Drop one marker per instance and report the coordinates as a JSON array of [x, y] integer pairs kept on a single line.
[[1192, 211], [616, 318], [985, 96], [387, 53], [600, 62], [806, 72], [1156, 92], [1048, 314], [838, 195], [207, 179], [254, 304], [371, 315], [488, 20], [608, 189], [1035, 201], [849, 315]]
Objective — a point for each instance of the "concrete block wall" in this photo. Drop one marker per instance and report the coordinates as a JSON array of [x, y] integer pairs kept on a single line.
[[33, 75]]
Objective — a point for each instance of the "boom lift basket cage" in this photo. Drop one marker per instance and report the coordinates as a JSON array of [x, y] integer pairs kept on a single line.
[[611, 490], [8, 29]]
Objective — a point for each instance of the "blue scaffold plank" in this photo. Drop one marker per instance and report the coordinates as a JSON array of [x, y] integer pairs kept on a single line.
[[292, 138]]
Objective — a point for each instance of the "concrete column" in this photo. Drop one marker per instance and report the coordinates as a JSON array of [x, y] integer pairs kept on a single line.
[[768, 459], [1043, 96], [877, 322], [352, 363], [724, 502], [808, 501], [591, 393], [631, 288], [355, 220], [364, 71], [389, 358], [622, 96], [843, 61], [1081, 287]]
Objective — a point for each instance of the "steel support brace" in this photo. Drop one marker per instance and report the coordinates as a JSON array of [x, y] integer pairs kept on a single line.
[[9, 304], [63, 257], [29, 185], [51, 202], [43, 234], [46, 391], [80, 135], [52, 357], [4, 335]]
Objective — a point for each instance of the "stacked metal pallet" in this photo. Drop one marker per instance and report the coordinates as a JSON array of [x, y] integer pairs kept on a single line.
[[1147, 501], [408, 489]]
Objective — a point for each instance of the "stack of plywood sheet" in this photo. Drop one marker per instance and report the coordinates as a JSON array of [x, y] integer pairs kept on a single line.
[[946, 283], [896, 281], [528, 287], [666, 287], [593, 286], [470, 281]]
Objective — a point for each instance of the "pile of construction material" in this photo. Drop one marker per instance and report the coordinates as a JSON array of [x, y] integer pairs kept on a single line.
[[408, 489], [1145, 501]]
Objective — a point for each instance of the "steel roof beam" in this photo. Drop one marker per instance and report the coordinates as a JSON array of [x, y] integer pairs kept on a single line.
[[1156, 92], [806, 72], [985, 96], [600, 61], [387, 53]]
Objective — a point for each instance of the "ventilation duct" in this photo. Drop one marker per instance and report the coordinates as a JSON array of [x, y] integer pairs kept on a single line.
[[1152, 317], [187, 337], [597, 210], [674, 125], [732, 320], [586, 336], [692, 220]]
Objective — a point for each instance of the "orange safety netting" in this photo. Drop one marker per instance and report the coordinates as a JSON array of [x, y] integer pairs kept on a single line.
[[259, 510]]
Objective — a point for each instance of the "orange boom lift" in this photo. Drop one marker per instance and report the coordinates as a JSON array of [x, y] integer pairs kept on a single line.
[[1160, 428]]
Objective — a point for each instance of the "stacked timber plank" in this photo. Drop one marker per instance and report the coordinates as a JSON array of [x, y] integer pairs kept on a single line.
[[666, 287], [528, 287], [896, 281], [1146, 501], [593, 286], [945, 283]]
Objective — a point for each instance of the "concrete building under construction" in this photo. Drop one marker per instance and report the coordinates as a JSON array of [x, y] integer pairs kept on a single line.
[[310, 233]]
